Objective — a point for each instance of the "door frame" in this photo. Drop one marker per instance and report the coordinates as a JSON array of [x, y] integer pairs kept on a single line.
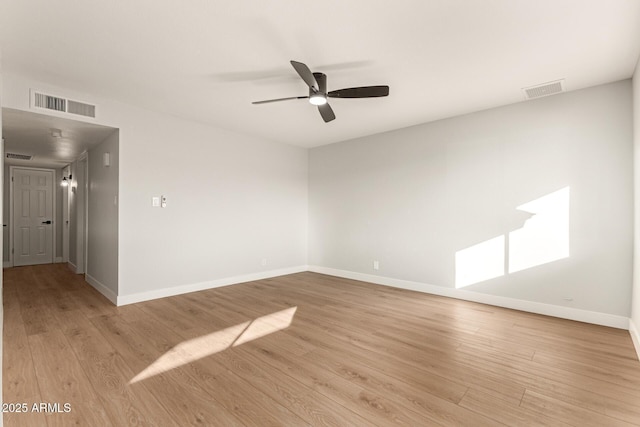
[[65, 217], [82, 204], [55, 219]]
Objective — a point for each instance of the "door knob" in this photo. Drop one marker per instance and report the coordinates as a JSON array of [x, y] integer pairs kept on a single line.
[[47, 222]]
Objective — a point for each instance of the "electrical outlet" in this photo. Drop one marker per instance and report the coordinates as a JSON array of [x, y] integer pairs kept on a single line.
[[264, 262], [376, 265]]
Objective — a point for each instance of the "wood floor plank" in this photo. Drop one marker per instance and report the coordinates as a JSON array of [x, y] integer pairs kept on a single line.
[[304, 349], [109, 375], [174, 389], [628, 378], [373, 407], [440, 410], [250, 406], [19, 381], [505, 412], [571, 414], [62, 381], [428, 365], [314, 408]]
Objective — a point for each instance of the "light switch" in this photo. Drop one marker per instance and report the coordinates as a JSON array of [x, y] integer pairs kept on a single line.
[[163, 201], [155, 202]]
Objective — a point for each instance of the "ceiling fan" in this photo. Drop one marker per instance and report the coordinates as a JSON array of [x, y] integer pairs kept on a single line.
[[318, 94]]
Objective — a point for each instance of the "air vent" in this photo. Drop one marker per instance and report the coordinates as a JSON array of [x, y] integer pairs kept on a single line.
[[50, 102], [545, 89], [81, 109], [19, 156]]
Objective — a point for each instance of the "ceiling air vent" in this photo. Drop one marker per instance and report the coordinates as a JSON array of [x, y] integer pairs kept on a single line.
[[545, 89], [50, 102], [19, 156]]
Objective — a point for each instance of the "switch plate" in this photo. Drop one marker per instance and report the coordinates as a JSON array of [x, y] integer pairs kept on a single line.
[[376, 265], [155, 202], [163, 201]]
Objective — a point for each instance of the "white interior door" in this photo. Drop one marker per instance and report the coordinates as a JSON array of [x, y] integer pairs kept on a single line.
[[32, 216]]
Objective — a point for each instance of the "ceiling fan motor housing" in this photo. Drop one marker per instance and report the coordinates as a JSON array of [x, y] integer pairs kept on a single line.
[[321, 78], [319, 97]]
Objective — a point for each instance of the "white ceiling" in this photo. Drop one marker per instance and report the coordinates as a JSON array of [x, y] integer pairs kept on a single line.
[[207, 60]]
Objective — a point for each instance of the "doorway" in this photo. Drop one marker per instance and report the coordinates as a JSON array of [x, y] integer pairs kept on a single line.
[[73, 150]]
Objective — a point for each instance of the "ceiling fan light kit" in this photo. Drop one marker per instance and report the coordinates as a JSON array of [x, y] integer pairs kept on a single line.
[[318, 94], [318, 99]]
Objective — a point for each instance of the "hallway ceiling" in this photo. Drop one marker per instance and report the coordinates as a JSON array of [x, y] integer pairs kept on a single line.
[[208, 60], [33, 134]]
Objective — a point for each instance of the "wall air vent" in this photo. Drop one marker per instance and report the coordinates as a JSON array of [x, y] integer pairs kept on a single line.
[[50, 102], [82, 109], [545, 89], [19, 156], [43, 101]]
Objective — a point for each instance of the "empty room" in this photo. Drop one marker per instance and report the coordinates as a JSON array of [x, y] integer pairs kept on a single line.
[[292, 213]]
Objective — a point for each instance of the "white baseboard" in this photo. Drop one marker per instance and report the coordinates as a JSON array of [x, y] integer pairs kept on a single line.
[[194, 287], [72, 266], [635, 336], [597, 318], [111, 296]]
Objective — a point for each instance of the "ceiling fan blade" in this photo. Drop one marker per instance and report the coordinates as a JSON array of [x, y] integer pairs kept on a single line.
[[326, 112], [279, 99], [360, 92], [306, 74]]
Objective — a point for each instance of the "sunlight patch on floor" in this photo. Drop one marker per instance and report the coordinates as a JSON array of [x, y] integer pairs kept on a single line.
[[198, 348]]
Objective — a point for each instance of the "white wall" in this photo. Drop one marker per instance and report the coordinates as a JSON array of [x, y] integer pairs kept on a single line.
[[635, 311], [414, 198], [233, 200], [410, 198], [102, 262]]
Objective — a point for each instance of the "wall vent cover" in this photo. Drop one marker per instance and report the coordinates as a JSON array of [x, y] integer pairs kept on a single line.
[[50, 102], [43, 101], [19, 156], [545, 89], [82, 109]]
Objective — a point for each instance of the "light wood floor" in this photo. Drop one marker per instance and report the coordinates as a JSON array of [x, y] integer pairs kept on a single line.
[[355, 354]]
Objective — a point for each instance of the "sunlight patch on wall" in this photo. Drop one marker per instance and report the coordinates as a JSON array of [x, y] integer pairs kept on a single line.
[[198, 348], [543, 238], [480, 262]]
